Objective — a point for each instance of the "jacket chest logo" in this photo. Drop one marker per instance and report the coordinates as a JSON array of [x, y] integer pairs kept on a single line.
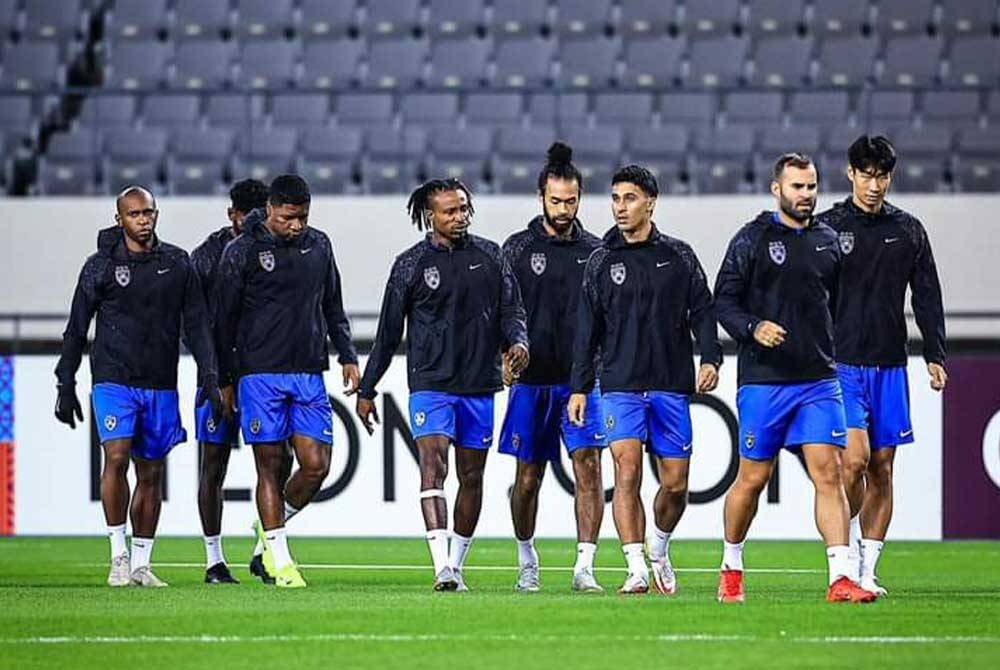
[[538, 263], [618, 273], [777, 252], [846, 242], [123, 275], [432, 277], [266, 260]]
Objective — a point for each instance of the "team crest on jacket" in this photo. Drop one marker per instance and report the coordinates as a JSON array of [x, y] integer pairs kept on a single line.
[[538, 263], [777, 251], [266, 260], [123, 276], [432, 277], [847, 242], [110, 421], [618, 273]]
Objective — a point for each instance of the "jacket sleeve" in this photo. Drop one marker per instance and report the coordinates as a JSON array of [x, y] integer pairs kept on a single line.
[[227, 304], [198, 326], [928, 307], [337, 323], [701, 311], [513, 318], [731, 289], [86, 298], [390, 330], [589, 331]]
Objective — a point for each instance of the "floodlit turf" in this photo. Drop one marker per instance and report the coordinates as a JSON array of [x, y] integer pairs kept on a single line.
[[56, 612]]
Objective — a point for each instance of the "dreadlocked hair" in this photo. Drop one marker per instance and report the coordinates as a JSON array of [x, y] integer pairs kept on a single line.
[[459, 186], [420, 199]]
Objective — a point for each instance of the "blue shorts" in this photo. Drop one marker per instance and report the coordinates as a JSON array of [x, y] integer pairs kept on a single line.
[[467, 420], [659, 418], [537, 417], [773, 416], [877, 399], [275, 406], [206, 429], [151, 417]]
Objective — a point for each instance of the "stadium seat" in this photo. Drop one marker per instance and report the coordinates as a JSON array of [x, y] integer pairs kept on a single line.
[[391, 18], [903, 16], [518, 152], [782, 61], [137, 64], [31, 66], [136, 20], [165, 110], [233, 109], [494, 109], [776, 140], [364, 108], [717, 61], [775, 17], [653, 61], [328, 157], [912, 60], [923, 153], [750, 106], [582, 17], [263, 19], [993, 106], [721, 164], [17, 113], [842, 18], [69, 167], [133, 156], [201, 19], [886, 107], [838, 138], [624, 109], [394, 156], [820, 107], [455, 18], [202, 65], [460, 153], [327, 19], [55, 20], [8, 16], [596, 152], [430, 109], [968, 17], [106, 111], [265, 152], [198, 158], [689, 108], [977, 168], [710, 17], [846, 61], [523, 62], [648, 17], [664, 152], [558, 108], [459, 63], [267, 64], [588, 62], [951, 106], [974, 61], [300, 109], [396, 63], [331, 63], [519, 18]]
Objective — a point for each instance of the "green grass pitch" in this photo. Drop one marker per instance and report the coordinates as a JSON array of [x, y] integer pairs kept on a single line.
[[369, 604]]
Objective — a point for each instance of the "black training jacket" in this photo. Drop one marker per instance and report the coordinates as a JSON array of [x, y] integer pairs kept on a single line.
[[462, 307], [641, 304], [882, 254], [277, 302], [773, 272], [549, 272], [141, 302], [205, 259]]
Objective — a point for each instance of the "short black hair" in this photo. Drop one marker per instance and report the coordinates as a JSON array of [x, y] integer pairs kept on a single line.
[[872, 153], [793, 158], [420, 199], [640, 176], [289, 189], [247, 195], [559, 164]]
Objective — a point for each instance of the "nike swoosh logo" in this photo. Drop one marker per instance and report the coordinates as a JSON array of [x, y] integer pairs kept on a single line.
[[305, 251], [476, 266], [581, 261], [686, 447], [823, 248], [327, 432], [163, 271], [836, 434], [598, 436], [663, 264], [487, 440], [890, 240], [906, 433]]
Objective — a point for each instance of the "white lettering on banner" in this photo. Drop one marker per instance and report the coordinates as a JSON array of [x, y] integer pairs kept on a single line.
[[991, 449], [373, 486]]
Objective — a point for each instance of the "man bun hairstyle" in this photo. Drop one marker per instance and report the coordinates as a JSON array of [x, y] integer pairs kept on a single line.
[[559, 165]]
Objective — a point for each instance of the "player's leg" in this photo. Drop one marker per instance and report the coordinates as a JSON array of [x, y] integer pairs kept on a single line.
[[876, 515], [473, 439], [524, 511], [625, 421], [145, 514], [854, 382], [257, 567], [214, 463]]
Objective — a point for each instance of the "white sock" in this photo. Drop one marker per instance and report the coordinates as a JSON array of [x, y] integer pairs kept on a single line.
[[277, 542], [526, 554], [584, 556], [459, 550], [258, 548], [142, 552], [840, 565], [634, 558], [290, 511], [213, 550], [659, 545], [117, 536], [437, 541], [871, 550], [732, 556], [854, 547]]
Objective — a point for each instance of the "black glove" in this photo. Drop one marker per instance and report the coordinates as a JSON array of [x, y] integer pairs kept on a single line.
[[67, 405], [210, 392]]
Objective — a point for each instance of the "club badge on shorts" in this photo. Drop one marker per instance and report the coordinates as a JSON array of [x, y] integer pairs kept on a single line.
[[110, 421], [419, 419], [255, 426]]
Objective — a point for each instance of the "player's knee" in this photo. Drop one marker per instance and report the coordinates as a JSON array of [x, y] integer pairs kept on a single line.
[[471, 478], [588, 473], [854, 467], [879, 473], [628, 476], [317, 466], [528, 482], [827, 477], [116, 463], [749, 485], [676, 489]]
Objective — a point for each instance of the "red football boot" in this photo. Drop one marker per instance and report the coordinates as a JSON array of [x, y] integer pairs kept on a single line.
[[845, 590], [731, 586]]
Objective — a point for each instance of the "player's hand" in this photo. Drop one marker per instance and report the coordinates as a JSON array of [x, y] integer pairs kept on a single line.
[[708, 378], [577, 408], [508, 376], [517, 356], [211, 393], [939, 378], [366, 411], [68, 405], [769, 334], [352, 378]]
